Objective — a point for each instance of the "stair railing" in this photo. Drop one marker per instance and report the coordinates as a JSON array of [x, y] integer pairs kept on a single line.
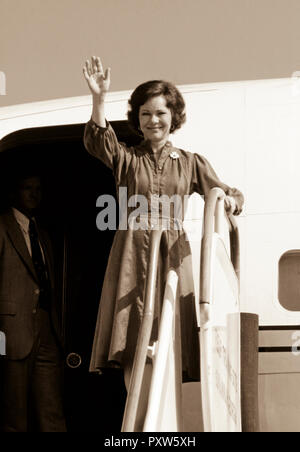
[[144, 335]]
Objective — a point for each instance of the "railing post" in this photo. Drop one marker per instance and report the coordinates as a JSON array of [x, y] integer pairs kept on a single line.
[[212, 223], [144, 336], [166, 331]]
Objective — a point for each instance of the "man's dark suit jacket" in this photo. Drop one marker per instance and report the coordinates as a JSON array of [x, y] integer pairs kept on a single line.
[[19, 288]]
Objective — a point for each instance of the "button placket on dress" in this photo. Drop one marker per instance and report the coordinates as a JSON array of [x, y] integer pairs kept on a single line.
[[157, 174], [155, 195]]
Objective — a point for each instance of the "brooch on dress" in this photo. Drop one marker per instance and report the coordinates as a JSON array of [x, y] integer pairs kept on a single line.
[[174, 155]]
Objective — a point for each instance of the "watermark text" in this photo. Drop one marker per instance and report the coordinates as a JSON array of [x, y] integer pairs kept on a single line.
[[135, 211], [2, 343], [296, 343]]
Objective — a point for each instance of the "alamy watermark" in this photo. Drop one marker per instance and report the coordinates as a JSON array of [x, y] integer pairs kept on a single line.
[[139, 212], [296, 343], [2, 343], [2, 84]]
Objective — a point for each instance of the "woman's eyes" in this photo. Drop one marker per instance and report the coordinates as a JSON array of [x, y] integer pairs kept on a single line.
[[159, 113]]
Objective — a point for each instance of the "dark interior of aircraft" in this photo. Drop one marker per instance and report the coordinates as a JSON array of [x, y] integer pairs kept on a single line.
[[72, 181]]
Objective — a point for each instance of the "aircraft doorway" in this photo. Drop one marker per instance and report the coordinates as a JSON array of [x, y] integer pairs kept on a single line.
[[72, 181]]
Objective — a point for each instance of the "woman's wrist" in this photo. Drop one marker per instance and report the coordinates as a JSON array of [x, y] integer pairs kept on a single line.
[[99, 99], [98, 112]]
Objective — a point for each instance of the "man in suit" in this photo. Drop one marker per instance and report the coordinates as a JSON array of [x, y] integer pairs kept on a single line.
[[31, 369]]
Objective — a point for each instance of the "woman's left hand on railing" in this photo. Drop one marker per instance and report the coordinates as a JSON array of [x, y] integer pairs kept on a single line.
[[229, 204]]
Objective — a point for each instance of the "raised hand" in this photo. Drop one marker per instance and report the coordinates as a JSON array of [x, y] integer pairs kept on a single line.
[[97, 80]]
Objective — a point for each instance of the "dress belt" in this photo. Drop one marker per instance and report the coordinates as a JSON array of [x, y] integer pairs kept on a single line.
[[155, 219]]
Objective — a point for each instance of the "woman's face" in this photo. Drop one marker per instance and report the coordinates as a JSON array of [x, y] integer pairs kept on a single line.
[[155, 119]]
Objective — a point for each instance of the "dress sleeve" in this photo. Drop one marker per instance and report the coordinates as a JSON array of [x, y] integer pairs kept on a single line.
[[102, 143], [204, 179]]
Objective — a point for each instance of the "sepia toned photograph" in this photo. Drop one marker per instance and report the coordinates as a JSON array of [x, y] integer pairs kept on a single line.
[[149, 218]]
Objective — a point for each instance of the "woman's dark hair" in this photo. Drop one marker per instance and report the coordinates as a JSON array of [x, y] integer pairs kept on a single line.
[[153, 88]]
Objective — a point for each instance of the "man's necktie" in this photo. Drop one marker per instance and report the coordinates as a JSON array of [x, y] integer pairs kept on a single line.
[[40, 267]]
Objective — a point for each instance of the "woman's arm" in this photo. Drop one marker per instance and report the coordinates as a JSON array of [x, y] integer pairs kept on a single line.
[[99, 138], [98, 83], [204, 179]]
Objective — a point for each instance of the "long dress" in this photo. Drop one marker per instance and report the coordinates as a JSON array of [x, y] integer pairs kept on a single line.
[[176, 172]]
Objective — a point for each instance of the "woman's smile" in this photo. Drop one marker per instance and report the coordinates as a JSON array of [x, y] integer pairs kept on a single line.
[[155, 129]]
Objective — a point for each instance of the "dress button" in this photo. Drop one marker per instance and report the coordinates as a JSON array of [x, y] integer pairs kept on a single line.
[[34, 311], [37, 291]]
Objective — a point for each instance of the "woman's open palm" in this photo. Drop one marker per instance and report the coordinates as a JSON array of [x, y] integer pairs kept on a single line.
[[97, 80]]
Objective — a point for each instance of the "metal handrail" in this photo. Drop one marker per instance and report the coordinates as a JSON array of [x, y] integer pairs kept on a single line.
[[234, 245], [213, 219], [144, 335], [167, 328], [213, 211]]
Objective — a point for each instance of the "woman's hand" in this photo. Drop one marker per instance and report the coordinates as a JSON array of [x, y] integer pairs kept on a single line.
[[97, 81], [230, 204]]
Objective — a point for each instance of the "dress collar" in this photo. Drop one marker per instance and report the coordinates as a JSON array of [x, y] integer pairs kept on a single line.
[[145, 144], [168, 151]]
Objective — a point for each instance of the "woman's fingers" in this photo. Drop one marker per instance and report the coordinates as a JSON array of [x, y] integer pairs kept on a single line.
[[85, 73], [88, 67], [107, 74], [94, 74], [99, 65], [230, 204], [91, 67], [93, 64], [96, 65]]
